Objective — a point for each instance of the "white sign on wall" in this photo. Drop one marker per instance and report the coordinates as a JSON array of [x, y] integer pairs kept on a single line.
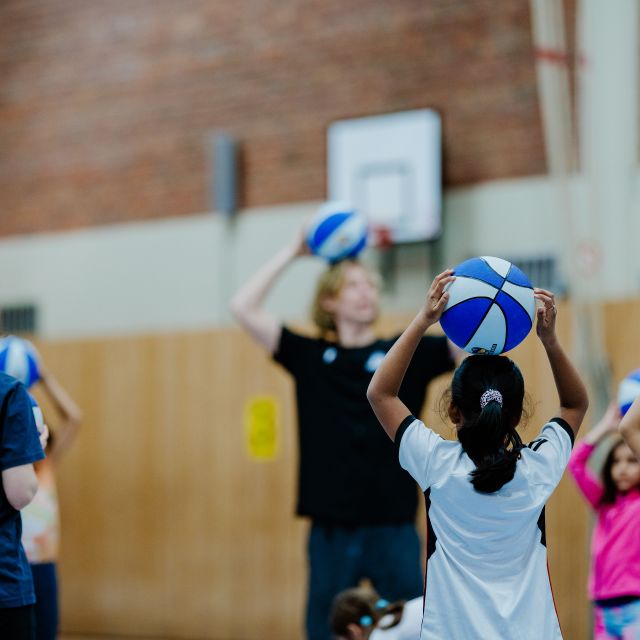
[[389, 167]]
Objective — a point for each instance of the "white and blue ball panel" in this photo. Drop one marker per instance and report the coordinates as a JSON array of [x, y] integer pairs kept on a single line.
[[628, 391], [337, 233], [468, 305], [19, 359], [494, 271], [490, 308]]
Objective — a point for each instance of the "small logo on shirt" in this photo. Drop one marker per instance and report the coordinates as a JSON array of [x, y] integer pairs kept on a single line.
[[329, 355], [374, 361]]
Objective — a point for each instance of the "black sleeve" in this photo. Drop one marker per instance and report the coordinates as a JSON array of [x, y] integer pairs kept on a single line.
[[294, 350], [567, 427], [404, 425], [432, 357]]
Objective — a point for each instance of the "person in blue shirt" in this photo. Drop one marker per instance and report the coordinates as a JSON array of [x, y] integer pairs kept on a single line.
[[21, 445]]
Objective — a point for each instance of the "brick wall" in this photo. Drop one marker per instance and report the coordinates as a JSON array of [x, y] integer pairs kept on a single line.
[[105, 105]]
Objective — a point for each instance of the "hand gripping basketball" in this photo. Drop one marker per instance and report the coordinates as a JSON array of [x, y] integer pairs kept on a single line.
[[437, 296], [546, 314]]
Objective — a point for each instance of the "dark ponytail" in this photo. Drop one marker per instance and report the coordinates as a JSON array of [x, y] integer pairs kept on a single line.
[[364, 607], [488, 433]]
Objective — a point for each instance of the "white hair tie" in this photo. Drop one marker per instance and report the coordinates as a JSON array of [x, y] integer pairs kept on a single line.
[[490, 395]]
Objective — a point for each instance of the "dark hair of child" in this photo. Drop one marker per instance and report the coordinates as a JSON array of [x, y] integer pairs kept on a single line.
[[488, 433]]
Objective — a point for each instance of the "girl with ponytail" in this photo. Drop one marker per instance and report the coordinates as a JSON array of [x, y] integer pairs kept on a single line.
[[486, 573]]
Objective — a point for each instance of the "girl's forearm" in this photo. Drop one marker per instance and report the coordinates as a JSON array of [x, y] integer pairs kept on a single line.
[[588, 484], [68, 410], [385, 385], [571, 390], [390, 374]]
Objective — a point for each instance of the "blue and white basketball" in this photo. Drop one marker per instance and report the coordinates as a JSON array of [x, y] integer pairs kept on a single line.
[[490, 308], [337, 231], [19, 358], [628, 391]]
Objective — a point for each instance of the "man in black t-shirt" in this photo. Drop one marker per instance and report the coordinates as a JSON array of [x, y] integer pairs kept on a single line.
[[361, 503]]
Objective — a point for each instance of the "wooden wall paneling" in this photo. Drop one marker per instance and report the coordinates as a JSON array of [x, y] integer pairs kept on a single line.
[[172, 527], [622, 328], [171, 530]]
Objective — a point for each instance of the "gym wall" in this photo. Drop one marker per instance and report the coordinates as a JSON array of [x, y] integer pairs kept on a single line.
[[180, 273], [107, 108], [172, 529]]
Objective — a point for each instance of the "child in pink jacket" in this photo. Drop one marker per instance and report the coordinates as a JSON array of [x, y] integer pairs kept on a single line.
[[614, 581]]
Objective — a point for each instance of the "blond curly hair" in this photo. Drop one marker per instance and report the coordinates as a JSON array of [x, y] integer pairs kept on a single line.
[[329, 285]]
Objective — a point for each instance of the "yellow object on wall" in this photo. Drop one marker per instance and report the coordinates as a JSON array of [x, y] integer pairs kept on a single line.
[[261, 428]]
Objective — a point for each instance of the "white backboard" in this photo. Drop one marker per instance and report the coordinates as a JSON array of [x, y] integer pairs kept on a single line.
[[389, 167]]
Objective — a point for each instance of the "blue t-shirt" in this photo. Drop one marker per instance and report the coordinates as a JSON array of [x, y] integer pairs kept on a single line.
[[19, 444]]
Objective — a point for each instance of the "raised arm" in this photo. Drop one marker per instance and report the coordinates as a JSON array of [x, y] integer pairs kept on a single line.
[[246, 304], [385, 384], [68, 411], [574, 401], [587, 482], [630, 427]]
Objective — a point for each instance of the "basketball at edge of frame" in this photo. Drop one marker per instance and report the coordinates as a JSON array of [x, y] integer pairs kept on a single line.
[[491, 306], [336, 232], [628, 391], [19, 359]]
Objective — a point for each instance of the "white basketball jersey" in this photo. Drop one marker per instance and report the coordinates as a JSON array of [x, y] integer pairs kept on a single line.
[[487, 574]]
